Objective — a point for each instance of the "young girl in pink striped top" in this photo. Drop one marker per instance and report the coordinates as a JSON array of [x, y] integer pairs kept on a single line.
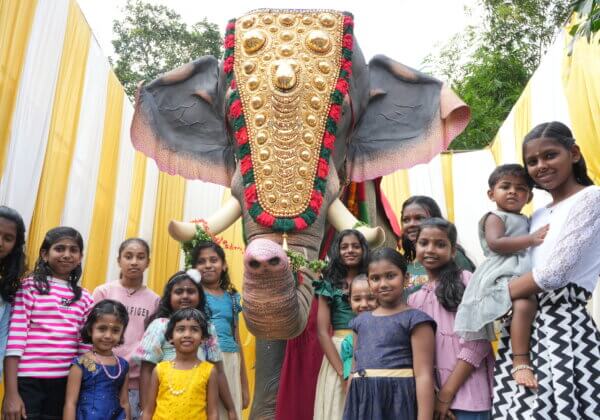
[[49, 310]]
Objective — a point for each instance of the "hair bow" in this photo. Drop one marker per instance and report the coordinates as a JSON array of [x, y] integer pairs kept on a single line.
[[194, 275]]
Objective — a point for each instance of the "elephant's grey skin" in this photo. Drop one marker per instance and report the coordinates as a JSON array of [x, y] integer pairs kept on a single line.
[[391, 119]]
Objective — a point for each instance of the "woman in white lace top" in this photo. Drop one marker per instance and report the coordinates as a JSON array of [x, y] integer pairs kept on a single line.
[[565, 343]]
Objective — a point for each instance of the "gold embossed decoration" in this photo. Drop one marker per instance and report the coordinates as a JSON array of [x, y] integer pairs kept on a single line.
[[288, 73]]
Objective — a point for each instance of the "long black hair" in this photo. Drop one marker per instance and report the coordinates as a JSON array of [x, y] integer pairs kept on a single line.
[[336, 271], [42, 269], [450, 288], [225, 282], [165, 310], [560, 133], [433, 210], [13, 265], [104, 307]]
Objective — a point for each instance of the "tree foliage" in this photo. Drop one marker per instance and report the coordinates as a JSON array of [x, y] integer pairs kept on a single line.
[[152, 39], [489, 66], [588, 12]]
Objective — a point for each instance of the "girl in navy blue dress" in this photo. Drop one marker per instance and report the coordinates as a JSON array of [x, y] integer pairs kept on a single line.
[[394, 348], [97, 388]]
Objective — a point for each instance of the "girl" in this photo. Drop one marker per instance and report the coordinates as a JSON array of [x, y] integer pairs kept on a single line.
[[186, 387], [348, 258], [414, 210], [361, 299], [394, 345], [97, 384], [505, 238], [463, 369], [12, 262], [140, 301], [565, 343], [182, 291], [49, 310], [224, 304]]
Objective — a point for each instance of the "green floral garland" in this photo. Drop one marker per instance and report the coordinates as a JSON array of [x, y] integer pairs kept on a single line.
[[298, 261], [188, 246]]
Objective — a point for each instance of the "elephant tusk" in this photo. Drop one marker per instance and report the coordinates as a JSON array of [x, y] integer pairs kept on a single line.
[[217, 223], [340, 218]]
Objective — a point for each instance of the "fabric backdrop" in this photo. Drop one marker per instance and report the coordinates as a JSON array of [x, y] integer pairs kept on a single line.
[[66, 155]]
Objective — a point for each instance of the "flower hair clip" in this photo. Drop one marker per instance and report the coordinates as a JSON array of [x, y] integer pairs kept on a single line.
[[194, 275]]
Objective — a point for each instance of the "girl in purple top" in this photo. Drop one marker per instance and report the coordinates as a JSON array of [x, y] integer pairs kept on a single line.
[[463, 368], [393, 355]]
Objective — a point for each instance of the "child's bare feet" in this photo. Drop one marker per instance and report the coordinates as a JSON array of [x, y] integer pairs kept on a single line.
[[524, 376]]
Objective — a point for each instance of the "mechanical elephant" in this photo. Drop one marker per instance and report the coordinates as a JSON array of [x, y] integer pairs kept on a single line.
[[292, 112]]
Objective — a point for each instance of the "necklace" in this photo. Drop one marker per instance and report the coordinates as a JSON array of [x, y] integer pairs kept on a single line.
[[132, 290], [173, 391], [97, 360]]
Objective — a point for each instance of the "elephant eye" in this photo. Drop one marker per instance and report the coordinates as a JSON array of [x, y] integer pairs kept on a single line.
[[274, 261], [254, 264]]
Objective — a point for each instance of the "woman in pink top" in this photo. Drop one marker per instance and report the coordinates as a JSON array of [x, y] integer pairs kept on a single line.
[[49, 311], [141, 303], [463, 368]]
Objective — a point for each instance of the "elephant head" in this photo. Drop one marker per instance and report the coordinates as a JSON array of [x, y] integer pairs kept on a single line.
[[291, 110]]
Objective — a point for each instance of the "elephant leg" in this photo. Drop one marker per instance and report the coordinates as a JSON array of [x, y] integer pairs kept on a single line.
[[269, 358]]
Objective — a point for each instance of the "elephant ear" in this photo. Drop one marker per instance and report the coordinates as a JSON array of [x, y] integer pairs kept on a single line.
[[409, 119], [178, 122]]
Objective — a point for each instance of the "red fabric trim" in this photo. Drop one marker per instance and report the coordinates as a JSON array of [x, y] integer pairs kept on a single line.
[[387, 208]]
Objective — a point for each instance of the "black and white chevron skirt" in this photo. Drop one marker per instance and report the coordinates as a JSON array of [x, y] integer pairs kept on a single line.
[[565, 353]]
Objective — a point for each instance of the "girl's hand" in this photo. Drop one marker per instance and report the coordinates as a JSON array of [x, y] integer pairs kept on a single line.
[[13, 408], [537, 237], [232, 415], [442, 410], [245, 398]]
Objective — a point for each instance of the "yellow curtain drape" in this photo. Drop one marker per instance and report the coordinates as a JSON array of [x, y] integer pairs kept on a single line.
[[448, 179], [16, 21], [169, 205], [581, 83], [136, 196], [523, 125], [235, 236], [63, 131], [397, 189], [97, 258], [496, 149]]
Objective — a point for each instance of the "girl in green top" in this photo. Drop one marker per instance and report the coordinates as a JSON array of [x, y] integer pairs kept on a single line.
[[414, 210], [348, 258]]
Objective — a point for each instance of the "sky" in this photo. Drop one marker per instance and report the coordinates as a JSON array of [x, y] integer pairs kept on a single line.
[[405, 30]]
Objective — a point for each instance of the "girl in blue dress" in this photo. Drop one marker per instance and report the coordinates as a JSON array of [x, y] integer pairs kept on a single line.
[[223, 301], [394, 347], [97, 388]]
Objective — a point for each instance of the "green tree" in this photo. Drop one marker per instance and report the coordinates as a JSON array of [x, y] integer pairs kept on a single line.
[[152, 39], [489, 66]]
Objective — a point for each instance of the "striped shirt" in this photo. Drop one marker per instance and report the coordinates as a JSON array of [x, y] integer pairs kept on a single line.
[[44, 329]]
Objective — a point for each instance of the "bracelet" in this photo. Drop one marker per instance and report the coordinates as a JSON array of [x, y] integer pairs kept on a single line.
[[520, 367], [520, 355], [437, 397]]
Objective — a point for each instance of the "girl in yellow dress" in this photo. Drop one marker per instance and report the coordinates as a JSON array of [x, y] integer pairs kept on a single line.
[[186, 387]]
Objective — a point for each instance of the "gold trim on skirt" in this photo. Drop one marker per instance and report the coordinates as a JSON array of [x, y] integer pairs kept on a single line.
[[342, 333], [389, 373]]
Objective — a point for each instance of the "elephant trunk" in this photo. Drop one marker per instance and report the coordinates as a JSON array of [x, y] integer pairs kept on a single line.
[[275, 307]]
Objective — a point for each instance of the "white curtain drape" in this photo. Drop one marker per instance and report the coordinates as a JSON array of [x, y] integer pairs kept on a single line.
[[33, 111]]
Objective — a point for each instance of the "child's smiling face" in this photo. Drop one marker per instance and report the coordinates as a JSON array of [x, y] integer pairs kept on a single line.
[[361, 297], [187, 336]]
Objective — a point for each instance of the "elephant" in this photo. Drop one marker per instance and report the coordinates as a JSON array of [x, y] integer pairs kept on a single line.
[[290, 114]]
